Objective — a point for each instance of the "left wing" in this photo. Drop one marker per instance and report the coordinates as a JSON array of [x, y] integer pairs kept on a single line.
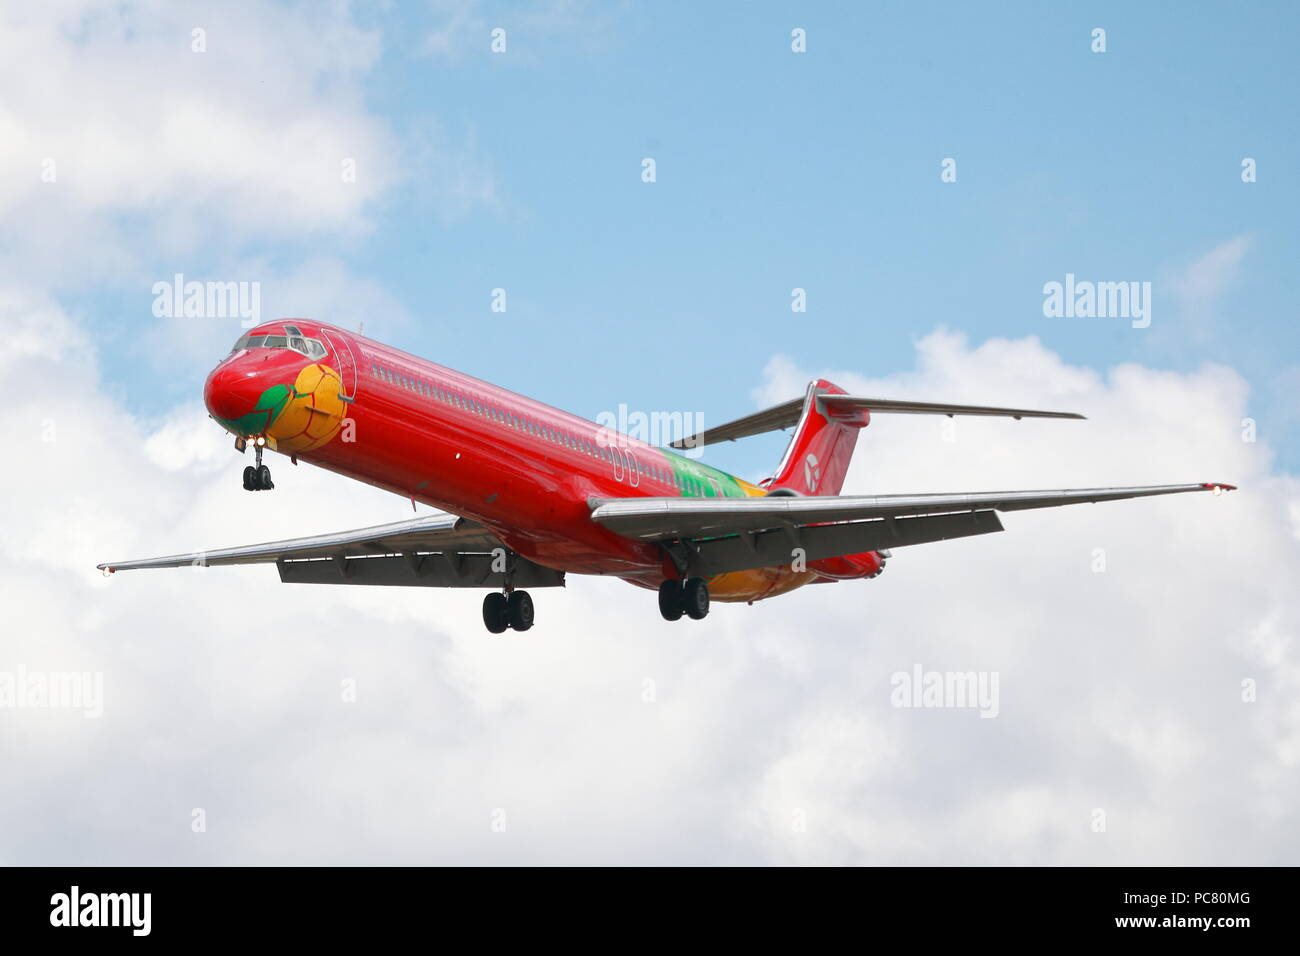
[[735, 534], [437, 550]]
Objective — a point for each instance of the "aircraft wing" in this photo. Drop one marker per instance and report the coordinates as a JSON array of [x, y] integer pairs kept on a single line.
[[437, 550], [735, 534]]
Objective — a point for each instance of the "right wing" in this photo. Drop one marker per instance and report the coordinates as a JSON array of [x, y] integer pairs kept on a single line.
[[735, 534], [437, 550]]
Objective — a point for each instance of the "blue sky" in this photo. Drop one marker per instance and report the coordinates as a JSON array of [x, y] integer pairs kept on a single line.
[[775, 170]]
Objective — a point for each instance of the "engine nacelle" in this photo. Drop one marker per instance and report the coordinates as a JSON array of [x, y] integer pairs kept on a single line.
[[849, 567]]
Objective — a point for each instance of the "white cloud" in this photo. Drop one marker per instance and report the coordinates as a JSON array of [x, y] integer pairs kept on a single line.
[[464, 29], [244, 140], [322, 288], [450, 175], [1119, 690], [1199, 289], [1200, 285], [459, 25]]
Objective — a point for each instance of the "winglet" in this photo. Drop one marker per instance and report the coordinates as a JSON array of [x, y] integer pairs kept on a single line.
[[1217, 487]]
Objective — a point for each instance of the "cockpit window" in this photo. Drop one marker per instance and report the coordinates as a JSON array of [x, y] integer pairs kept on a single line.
[[312, 348]]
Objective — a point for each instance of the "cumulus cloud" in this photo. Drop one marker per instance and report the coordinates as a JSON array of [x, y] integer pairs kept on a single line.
[[112, 181], [764, 733], [323, 288], [150, 122]]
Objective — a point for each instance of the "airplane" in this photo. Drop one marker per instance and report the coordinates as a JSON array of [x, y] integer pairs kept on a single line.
[[529, 493]]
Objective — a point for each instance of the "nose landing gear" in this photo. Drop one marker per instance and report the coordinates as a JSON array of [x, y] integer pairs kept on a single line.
[[258, 477]]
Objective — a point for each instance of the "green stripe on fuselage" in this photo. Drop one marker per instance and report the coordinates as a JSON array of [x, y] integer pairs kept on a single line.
[[693, 479]]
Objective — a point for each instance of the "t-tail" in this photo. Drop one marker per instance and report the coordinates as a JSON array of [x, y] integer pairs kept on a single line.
[[826, 423], [816, 461]]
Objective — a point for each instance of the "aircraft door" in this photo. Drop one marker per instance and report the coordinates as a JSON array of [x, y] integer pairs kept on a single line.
[[347, 363]]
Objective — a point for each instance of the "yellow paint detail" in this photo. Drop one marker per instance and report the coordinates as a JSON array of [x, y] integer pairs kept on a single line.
[[313, 416], [756, 584]]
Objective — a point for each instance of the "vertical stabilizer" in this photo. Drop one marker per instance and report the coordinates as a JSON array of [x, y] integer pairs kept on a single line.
[[817, 459]]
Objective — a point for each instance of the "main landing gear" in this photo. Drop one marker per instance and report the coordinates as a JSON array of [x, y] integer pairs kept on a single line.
[[514, 611], [689, 597], [258, 477]]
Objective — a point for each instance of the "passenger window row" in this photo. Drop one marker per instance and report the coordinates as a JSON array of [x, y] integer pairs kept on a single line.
[[687, 486]]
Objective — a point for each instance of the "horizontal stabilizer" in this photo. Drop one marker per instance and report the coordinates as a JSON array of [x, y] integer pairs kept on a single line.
[[788, 413]]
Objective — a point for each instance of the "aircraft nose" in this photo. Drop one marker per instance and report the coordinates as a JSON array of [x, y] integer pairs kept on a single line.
[[232, 392]]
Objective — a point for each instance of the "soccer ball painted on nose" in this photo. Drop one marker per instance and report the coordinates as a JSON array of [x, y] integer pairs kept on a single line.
[[314, 413]]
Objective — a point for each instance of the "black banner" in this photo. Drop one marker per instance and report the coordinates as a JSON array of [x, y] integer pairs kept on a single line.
[[1172, 906]]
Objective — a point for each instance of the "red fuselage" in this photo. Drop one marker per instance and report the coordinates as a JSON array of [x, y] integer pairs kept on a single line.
[[524, 469]]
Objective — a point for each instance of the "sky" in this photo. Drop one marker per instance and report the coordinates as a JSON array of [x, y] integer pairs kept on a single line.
[[140, 140]]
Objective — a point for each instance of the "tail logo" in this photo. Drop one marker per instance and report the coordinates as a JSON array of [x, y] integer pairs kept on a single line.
[[812, 472]]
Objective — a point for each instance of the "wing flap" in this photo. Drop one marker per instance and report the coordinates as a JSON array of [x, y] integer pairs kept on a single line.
[[770, 549], [446, 569]]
